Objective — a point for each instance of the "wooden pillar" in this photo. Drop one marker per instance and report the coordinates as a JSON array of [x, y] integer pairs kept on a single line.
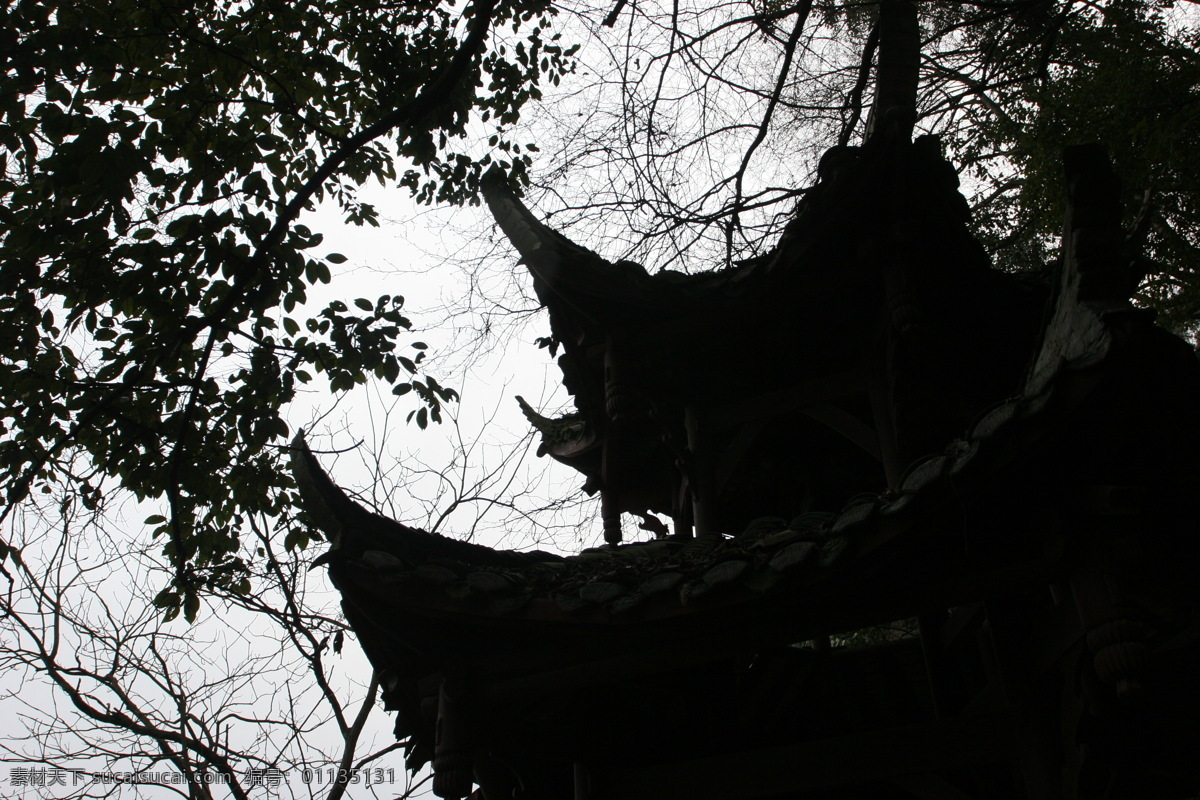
[[610, 516], [682, 516], [702, 477], [584, 789], [453, 773], [1116, 637], [883, 407], [622, 396], [930, 627]]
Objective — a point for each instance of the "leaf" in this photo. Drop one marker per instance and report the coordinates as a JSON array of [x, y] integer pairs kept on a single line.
[[296, 538], [389, 370], [336, 258], [166, 598], [191, 606]]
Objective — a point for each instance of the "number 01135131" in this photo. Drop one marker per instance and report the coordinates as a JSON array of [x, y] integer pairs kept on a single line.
[[331, 775]]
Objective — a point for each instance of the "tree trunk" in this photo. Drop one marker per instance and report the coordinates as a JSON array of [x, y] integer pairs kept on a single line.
[[899, 66]]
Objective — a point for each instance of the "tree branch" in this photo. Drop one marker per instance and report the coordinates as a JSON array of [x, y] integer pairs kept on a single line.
[[855, 101], [789, 52], [346, 767]]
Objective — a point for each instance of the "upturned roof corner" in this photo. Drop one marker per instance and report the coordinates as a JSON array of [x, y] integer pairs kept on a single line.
[[867, 425]]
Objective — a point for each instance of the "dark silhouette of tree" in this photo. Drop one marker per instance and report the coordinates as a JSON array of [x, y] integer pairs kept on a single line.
[[155, 160]]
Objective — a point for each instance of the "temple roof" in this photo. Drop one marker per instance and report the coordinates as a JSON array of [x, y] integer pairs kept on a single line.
[[1103, 422], [378, 561], [783, 356]]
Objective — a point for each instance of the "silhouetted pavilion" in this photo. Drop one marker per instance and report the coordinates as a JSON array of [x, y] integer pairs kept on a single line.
[[868, 424]]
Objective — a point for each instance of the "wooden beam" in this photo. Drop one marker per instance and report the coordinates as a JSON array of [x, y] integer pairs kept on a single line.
[[883, 755], [769, 405], [848, 425], [648, 649], [930, 787]]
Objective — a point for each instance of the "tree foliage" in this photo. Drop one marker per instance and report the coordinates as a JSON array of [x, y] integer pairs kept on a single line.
[[1123, 77], [156, 157]]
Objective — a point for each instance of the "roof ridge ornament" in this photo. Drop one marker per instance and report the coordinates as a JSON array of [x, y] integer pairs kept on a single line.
[[1096, 276]]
